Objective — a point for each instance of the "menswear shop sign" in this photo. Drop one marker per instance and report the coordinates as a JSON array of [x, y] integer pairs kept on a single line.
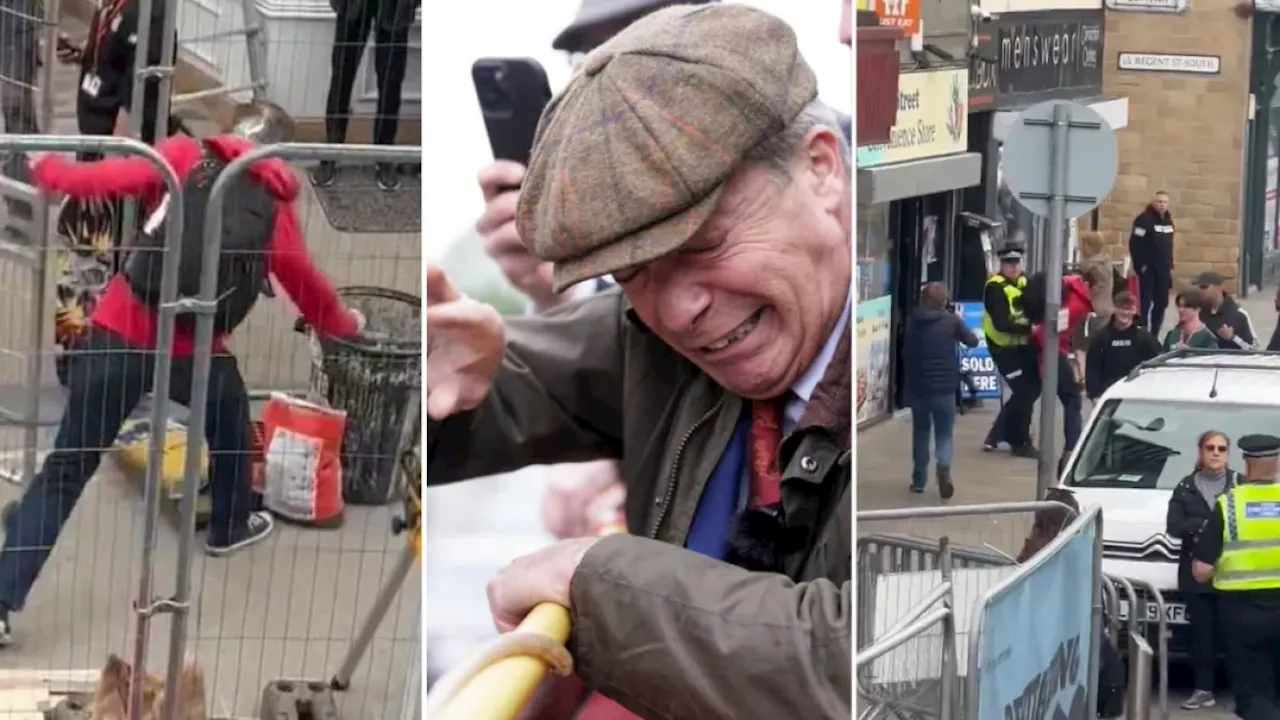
[[1037, 56], [932, 119]]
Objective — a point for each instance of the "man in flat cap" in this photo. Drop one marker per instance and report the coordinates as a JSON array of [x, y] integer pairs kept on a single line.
[[690, 159], [1239, 549], [1008, 333]]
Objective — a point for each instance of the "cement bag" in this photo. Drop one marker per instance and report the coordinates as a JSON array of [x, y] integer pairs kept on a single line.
[[302, 472]]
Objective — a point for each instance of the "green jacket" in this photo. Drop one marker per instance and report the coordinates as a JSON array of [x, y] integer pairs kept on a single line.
[[1201, 338], [588, 381]]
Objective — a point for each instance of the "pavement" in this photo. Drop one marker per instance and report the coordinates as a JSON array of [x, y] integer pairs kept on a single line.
[[884, 469], [287, 608]]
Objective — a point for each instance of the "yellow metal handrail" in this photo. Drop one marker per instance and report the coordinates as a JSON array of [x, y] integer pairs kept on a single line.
[[502, 688]]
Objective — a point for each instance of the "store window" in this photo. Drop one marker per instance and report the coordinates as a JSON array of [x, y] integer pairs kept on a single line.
[[874, 311]]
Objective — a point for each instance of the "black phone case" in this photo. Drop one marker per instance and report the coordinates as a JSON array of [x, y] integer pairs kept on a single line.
[[512, 92]]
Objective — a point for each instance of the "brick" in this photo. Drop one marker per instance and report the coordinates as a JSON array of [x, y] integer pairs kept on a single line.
[[1185, 133]]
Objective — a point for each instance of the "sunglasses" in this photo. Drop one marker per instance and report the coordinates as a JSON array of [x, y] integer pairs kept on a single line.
[[1216, 448]]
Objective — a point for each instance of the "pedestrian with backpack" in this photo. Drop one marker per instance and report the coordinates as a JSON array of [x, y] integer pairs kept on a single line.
[[261, 237]]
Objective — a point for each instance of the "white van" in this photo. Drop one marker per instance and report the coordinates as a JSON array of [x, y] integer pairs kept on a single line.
[[1140, 442]]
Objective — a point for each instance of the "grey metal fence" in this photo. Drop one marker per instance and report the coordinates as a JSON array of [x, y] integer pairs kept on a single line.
[[45, 640], [314, 609], [917, 632]]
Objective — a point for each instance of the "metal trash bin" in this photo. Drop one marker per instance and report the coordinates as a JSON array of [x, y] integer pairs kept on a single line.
[[377, 380]]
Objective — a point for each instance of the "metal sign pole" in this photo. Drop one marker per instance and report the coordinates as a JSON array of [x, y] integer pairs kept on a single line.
[[1043, 178], [1045, 464]]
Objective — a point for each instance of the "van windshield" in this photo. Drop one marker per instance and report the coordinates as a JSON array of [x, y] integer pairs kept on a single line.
[[1152, 444]]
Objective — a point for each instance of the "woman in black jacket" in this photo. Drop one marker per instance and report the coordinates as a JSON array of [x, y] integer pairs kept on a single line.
[[1190, 508]]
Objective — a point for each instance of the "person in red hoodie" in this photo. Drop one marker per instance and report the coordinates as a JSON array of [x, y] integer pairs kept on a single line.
[[114, 369], [1078, 305]]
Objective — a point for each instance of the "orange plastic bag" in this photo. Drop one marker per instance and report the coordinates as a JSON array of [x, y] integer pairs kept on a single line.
[[302, 470]]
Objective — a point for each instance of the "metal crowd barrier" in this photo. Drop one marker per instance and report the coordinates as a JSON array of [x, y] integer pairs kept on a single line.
[[909, 590], [1141, 655], [374, 694], [145, 605]]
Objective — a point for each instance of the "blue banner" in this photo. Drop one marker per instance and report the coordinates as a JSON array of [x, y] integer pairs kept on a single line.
[[977, 360], [1037, 638]]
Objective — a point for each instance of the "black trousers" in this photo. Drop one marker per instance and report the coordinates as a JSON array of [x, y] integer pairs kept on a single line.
[[1153, 287], [1017, 365], [356, 20], [1252, 632], [1206, 624], [107, 380]]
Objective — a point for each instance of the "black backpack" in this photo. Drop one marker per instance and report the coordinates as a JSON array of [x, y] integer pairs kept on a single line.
[[248, 223]]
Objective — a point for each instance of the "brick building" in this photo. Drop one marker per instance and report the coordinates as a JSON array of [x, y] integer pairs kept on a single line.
[[1186, 75]]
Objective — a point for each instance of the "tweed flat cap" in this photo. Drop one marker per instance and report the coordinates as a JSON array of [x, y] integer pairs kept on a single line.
[[630, 158], [594, 13]]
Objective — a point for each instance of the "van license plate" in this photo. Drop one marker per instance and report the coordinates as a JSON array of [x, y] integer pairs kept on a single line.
[[1174, 613]]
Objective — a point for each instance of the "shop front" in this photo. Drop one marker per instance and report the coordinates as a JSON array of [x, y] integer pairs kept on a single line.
[[1022, 59], [908, 200]]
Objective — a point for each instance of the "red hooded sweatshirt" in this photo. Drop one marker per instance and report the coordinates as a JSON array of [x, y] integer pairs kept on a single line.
[[1075, 298], [120, 312]]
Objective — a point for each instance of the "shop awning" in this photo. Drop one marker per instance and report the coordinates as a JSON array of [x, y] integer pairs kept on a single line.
[[915, 178], [1114, 110]]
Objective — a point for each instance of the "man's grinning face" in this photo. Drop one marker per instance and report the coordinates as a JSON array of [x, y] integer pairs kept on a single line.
[[752, 296]]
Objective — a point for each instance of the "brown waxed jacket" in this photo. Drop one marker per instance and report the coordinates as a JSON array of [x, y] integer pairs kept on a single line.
[[665, 631]]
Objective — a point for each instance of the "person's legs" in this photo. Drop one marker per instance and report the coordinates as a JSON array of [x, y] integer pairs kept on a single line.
[[944, 429], [1024, 381], [921, 429], [351, 30], [1004, 429], [391, 58], [106, 382], [1069, 396], [1146, 292], [1202, 609], [1159, 301], [1252, 674], [232, 524]]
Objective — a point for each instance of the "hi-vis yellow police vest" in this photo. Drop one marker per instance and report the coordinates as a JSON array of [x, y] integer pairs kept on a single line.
[[1250, 538], [1012, 291]]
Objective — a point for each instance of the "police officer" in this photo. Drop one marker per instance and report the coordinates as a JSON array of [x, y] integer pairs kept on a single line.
[[1008, 333], [1239, 548]]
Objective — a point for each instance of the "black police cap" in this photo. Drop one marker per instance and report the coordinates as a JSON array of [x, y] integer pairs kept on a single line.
[[1010, 251], [1259, 446]]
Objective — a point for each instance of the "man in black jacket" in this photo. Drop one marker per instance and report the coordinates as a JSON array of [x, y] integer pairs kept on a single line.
[[1223, 316], [1151, 248], [1119, 347], [933, 375]]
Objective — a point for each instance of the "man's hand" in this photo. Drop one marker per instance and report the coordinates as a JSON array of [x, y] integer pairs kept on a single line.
[[465, 341], [1226, 332], [497, 224], [68, 52], [122, 123], [540, 577], [575, 492], [1201, 571]]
